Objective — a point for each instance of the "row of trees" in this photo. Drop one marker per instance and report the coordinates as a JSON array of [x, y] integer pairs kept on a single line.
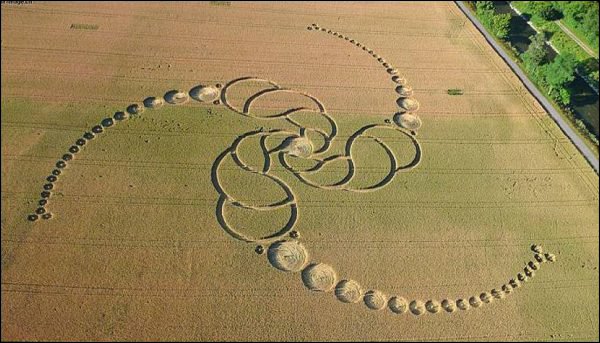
[[554, 76], [545, 10], [582, 16], [498, 24]]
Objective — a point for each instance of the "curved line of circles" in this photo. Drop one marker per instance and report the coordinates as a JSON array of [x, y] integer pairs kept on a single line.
[[292, 257], [178, 98], [317, 276], [406, 116], [201, 93]]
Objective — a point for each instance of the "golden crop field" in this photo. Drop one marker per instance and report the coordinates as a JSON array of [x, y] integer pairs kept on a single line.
[[283, 171]]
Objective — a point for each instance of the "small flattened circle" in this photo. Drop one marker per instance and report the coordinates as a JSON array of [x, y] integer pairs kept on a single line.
[[463, 304], [398, 305], [120, 116], [404, 91], [135, 109], [319, 277], [486, 297], [474, 301], [107, 122], [399, 80], [432, 306], [448, 305], [498, 294], [348, 291], [409, 104], [176, 97], [417, 307], [375, 300], [153, 102]]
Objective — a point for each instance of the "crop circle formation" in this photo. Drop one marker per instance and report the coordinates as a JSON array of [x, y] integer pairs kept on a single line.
[[282, 245]]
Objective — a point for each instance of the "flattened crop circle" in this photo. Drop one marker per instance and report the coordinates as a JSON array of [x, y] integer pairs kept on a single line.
[[288, 256]]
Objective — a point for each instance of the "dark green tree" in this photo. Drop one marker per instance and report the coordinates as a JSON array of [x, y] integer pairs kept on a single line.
[[583, 15], [501, 25], [559, 74], [536, 52], [564, 96], [483, 6], [498, 24], [575, 10], [546, 10], [485, 12], [590, 24], [561, 71], [595, 75]]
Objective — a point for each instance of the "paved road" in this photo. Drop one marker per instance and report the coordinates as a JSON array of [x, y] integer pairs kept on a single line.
[[577, 40], [577, 141]]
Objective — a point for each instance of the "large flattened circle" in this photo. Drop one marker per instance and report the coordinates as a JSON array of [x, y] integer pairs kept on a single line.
[[288, 256], [206, 94]]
